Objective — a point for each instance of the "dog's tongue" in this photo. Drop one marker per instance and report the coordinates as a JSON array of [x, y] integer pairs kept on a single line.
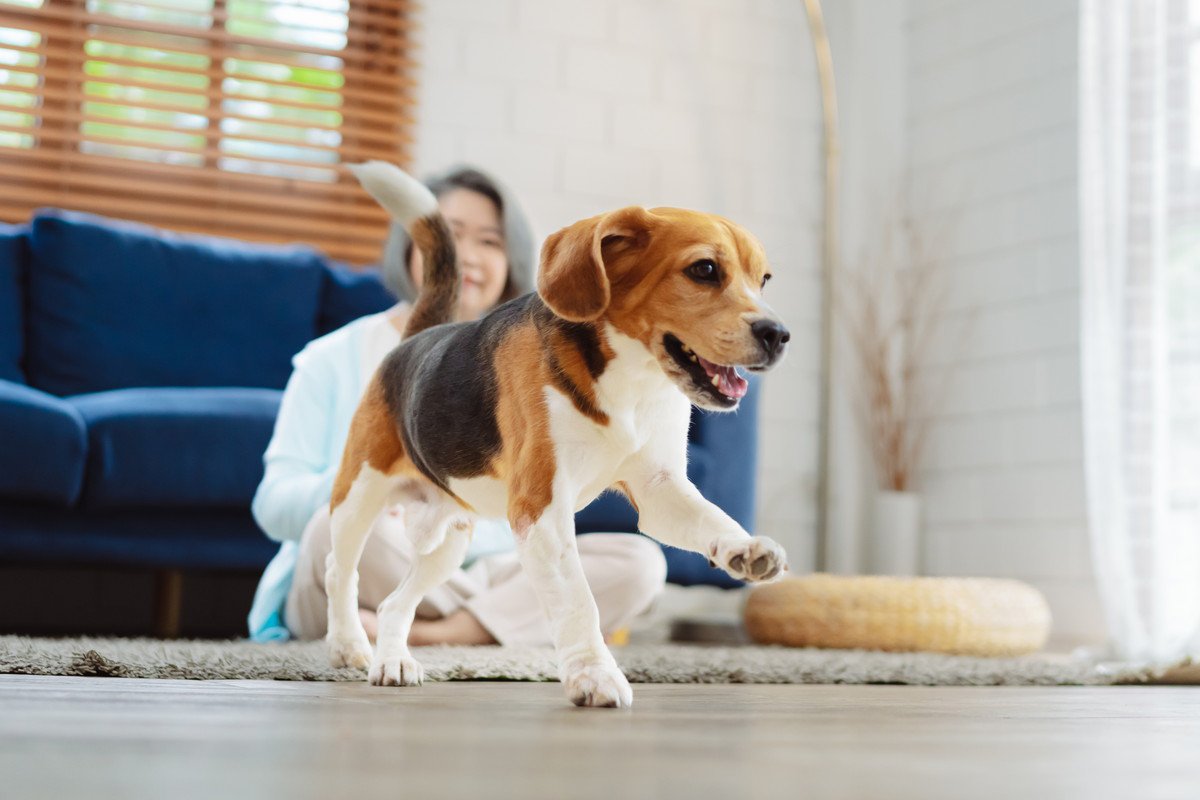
[[731, 383]]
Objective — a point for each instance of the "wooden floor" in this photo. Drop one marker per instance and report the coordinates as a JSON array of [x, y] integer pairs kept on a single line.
[[114, 738]]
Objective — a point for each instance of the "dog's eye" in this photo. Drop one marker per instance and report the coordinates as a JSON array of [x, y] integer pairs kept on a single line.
[[704, 271], [765, 279]]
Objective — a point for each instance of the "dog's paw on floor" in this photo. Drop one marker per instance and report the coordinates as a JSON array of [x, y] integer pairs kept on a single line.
[[396, 670], [353, 652], [599, 686]]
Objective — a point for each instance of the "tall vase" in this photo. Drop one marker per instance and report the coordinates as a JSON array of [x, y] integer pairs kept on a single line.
[[894, 546]]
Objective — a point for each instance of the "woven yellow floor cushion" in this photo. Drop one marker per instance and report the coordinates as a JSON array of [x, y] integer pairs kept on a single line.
[[965, 616]]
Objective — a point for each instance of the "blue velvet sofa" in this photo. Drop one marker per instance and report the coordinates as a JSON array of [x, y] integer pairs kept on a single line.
[[140, 376]]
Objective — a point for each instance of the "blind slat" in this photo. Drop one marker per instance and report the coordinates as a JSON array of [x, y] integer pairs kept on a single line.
[[347, 188], [369, 14], [385, 96], [51, 19], [355, 152], [353, 73], [56, 176], [137, 208], [393, 25], [76, 137], [210, 94], [358, 133], [354, 252]]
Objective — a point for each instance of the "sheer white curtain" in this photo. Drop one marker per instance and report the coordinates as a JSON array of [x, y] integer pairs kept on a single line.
[[1140, 224]]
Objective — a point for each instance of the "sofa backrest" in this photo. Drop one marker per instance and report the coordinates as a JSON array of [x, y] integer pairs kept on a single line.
[[115, 304], [349, 294], [14, 270]]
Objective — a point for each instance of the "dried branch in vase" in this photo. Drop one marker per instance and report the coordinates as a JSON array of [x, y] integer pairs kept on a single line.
[[893, 309]]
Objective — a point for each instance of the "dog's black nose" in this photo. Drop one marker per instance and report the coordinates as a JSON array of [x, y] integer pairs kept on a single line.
[[772, 336]]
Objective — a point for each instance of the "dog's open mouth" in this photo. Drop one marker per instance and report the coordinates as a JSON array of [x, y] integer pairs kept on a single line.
[[721, 382]]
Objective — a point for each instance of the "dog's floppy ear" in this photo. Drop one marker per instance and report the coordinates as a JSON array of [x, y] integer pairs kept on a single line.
[[573, 280]]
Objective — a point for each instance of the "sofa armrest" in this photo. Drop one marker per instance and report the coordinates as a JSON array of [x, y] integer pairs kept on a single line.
[[45, 446], [14, 280]]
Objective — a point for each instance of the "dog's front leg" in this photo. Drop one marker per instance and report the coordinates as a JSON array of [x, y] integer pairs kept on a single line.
[[673, 511], [548, 554]]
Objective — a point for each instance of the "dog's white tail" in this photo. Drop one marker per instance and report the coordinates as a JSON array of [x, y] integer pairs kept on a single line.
[[415, 207], [404, 197]]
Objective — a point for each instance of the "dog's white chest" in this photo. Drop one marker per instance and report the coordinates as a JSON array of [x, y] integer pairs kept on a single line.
[[638, 401]]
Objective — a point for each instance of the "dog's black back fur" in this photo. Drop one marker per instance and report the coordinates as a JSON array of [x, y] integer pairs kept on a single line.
[[440, 385]]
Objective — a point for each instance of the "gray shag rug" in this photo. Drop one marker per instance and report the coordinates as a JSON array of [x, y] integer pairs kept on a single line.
[[659, 663]]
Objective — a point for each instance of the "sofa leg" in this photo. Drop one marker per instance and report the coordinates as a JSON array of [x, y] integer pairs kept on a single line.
[[168, 601]]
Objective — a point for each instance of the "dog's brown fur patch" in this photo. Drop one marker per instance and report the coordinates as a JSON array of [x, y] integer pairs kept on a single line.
[[574, 365], [526, 462], [373, 440]]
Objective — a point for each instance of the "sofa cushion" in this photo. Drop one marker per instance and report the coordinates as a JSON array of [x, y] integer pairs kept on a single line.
[[44, 446], [14, 260], [165, 448], [117, 305], [349, 294]]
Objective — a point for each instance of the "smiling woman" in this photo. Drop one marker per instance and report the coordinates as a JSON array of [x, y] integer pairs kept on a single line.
[[229, 116]]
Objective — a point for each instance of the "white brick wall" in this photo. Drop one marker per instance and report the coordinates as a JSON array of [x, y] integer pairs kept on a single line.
[[586, 106], [992, 129]]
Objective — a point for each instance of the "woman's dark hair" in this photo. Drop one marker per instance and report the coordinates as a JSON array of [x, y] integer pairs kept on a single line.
[[471, 179]]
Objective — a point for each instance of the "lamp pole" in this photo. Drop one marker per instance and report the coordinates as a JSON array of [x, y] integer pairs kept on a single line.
[[829, 115]]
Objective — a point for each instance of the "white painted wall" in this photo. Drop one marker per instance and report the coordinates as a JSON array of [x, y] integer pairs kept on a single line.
[[992, 152], [585, 106]]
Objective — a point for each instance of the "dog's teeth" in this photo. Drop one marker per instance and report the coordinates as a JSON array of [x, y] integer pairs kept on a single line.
[[692, 357], [716, 381]]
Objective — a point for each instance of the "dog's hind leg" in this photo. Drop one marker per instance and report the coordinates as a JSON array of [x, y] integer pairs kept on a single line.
[[350, 524], [393, 664], [364, 481]]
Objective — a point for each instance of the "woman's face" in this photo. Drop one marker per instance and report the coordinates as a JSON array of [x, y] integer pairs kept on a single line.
[[479, 242]]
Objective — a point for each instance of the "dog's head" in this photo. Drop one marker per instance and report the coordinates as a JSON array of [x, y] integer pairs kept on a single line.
[[687, 285]]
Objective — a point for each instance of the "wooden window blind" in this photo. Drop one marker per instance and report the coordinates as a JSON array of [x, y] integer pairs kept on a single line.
[[218, 116]]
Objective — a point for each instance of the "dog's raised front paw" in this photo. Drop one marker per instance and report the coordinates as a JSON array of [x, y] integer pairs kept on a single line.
[[756, 559], [598, 685], [352, 651], [396, 670]]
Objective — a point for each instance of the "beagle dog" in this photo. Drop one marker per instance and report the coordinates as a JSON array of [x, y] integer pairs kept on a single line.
[[532, 411]]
